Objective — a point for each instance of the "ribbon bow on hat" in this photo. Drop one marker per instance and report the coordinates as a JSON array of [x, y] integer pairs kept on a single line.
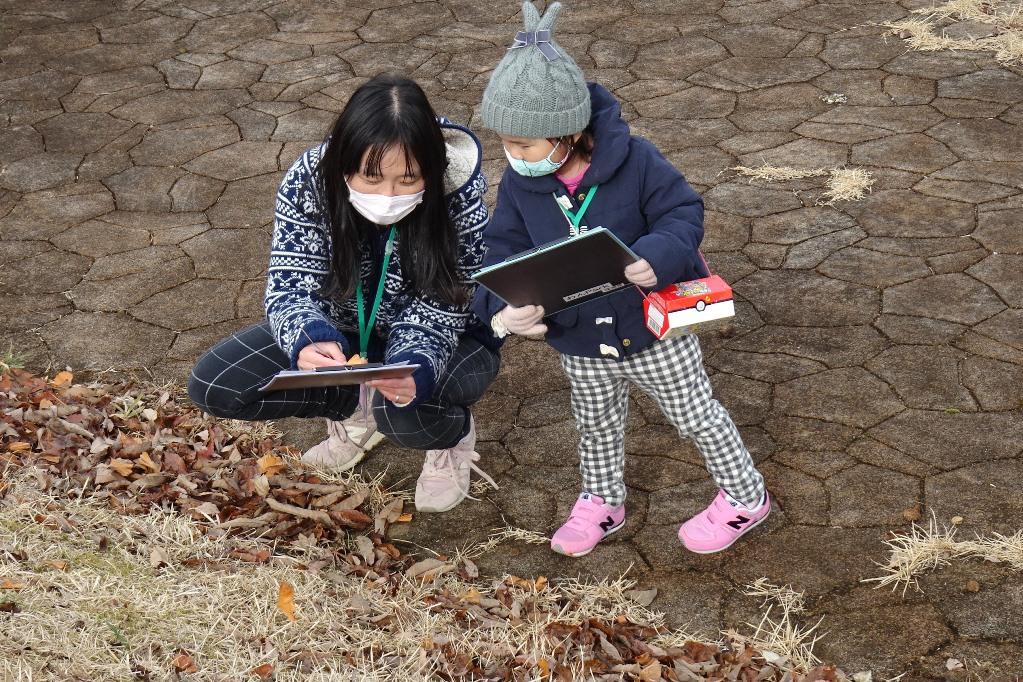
[[542, 41]]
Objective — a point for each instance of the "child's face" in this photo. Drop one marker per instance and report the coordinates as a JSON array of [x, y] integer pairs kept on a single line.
[[534, 149]]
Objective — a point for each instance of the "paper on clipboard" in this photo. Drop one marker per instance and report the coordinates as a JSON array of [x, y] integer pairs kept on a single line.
[[342, 376], [562, 274]]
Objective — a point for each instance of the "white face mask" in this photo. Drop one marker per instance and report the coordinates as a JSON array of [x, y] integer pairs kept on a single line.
[[382, 209]]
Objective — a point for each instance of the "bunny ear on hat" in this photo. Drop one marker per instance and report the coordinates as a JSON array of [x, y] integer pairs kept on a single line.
[[549, 17], [530, 16]]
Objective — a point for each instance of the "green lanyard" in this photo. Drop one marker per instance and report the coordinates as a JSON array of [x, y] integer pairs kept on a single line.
[[577, 217], [364, 326]]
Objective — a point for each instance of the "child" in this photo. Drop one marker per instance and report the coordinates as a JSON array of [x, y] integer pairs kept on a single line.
[[564, 140]]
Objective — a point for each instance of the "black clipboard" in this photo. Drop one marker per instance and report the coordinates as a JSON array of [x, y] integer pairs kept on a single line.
[[341, 375], [563, 273]]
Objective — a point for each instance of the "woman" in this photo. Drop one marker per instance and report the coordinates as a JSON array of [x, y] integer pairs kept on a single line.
[[376, 233]]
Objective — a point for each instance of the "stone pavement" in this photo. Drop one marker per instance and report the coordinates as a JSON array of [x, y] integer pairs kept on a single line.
[[877, 358]]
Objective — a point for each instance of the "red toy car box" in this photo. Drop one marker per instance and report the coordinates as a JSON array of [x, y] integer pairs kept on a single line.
[[684, 307]]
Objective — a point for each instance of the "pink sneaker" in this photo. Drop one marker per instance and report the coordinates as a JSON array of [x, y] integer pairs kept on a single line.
[[722, 523], [590, 522]]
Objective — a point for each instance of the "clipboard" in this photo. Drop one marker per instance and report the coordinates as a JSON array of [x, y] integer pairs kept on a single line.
[[563, 273], [341, 375]]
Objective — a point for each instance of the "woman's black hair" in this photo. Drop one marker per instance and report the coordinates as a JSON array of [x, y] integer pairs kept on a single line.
[[391, 111]]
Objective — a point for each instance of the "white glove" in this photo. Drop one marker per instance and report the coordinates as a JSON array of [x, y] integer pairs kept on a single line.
[[524, 321], [641, 273]]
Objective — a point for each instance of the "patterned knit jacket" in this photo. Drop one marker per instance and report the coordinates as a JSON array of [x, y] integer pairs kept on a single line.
[[417, 329]]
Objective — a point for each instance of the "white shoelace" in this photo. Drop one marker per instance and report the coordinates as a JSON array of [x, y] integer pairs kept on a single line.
[[444, 464]]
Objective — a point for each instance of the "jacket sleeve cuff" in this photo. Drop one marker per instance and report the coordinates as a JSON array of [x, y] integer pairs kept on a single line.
[[671, 261], [315, 331], [424, 377]]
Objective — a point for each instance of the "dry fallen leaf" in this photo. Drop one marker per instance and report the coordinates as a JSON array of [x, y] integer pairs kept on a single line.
[[185, 663], [208, 509], [19, 446], [147, 461], [286, 600], [62, 379], [122, 466], [271, 465], [263, 671], [158, 558], [261, 484], [11, 584], [972, 586], [912, 514], [642, 597], [651, 673], [58, 564], [150, 414], [404, 518], [954, 664]]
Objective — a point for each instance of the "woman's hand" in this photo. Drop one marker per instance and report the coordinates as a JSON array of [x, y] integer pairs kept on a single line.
[[398, 391], [321, 354], [524, 321], [641, 273]]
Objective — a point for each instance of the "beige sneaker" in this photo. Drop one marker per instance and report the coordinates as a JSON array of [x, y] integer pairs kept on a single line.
[[346, 444], [445, 478]]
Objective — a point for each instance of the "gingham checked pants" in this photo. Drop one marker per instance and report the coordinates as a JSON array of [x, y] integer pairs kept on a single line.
[[225, 382], [671, 373]]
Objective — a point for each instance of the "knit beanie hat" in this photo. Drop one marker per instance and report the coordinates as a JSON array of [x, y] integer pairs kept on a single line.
[[537, 90]]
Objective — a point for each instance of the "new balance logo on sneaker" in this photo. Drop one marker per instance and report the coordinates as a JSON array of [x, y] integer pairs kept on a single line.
[[738, 522], [606, 524]]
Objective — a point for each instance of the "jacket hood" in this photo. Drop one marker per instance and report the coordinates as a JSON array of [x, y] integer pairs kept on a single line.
[[612, 136], [465, 156]]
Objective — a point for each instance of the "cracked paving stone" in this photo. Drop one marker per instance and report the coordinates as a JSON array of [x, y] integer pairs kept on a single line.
[[793, 556], [677, 58], [118, 281], [103, 340], [747, 401], [398, 24], [911, 152], [990, 613], [770, 367], [694, 102], [814, 435], [906, 119], [993, 85], [815, 462], [229, 254], [305, 124], [744, 199], [369, 59], [1006, 326], [909, 631], [544, 409], [81, 132], [724, 232], [39, 172], [493, 413], [529, 358], [919, 246], [237, 161], [20, 142], [177, 146], [952, 297], [49, 272], [982, 493], [143, 188], [924, 377], [661, 440], [801, 496], [762, 73], [837, 395], [890, 493], [1001, 272], [169, 106], [304, 69], [917, 330], [610, 560], [997, 385], [195, 303], [800, 154], [220, 34], [190, 344], [97, 238], [552, 445], [903, 213], [980, 139], [49, 212], [246, 203], [950, 440], [870, 267], [834, 346], [993, 171], [650, 473], [969, 192], [688, 599], [799, 225], [781, 297]]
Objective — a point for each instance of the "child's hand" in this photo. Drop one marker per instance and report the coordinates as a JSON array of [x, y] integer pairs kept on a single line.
[[641, 273], [524, 321]]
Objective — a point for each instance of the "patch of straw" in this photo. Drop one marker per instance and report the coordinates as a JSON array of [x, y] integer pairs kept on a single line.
[[843, 184], [790, 601], [925, 549], [783, 642], [498, 537], [926, 33]]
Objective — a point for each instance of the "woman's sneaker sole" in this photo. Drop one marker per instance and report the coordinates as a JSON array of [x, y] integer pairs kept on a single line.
[[557, 548], [373, 441]]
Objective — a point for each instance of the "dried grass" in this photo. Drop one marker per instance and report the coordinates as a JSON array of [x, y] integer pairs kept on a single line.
[[925, 549], [843, 184], [926, 33], [791, 601], [86, 612]]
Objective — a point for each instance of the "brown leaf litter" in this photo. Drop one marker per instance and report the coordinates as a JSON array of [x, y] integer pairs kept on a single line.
[[140, 538]]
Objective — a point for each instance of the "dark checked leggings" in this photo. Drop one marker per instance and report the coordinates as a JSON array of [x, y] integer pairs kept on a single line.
[[225, 382]]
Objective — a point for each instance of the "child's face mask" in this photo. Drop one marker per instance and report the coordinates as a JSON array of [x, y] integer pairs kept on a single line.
[[533, 169]]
